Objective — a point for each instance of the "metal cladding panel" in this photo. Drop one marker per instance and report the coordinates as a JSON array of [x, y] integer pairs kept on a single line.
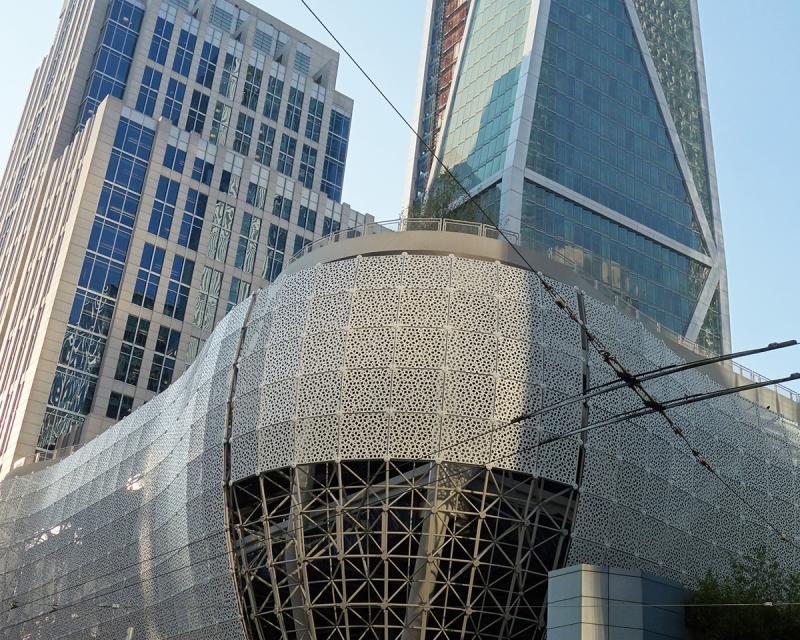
[[406, 357], [128, 532], [645, 501], [384, 358]]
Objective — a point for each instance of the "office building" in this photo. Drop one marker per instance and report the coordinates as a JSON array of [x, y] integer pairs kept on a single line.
[[170, 156], [583, 128], [339, 462]]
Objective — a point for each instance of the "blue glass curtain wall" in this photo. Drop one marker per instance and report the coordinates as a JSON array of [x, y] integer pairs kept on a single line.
[[72, 391], [113, 59]]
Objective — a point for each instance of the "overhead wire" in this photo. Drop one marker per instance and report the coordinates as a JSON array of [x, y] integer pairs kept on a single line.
[[594, 341], [378, 500], [626, 379], [603, 388]]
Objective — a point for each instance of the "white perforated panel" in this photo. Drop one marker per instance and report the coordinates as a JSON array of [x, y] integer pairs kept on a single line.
[[401, 357]]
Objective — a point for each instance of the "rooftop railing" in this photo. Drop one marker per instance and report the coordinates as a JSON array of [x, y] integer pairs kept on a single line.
[[404, 224], [555, 254]]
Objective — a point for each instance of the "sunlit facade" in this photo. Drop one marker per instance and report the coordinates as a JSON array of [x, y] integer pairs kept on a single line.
[[338, 463], [172, 155], [584, 126]]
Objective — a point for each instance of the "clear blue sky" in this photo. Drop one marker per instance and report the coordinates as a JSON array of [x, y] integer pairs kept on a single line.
[[752, 52]]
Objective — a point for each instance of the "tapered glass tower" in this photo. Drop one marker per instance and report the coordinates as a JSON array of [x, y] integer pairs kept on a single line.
[[584, 126]]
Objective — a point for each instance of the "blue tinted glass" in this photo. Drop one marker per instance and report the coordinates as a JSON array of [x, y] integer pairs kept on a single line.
[[113, 58], [597, 126], [660, 282]]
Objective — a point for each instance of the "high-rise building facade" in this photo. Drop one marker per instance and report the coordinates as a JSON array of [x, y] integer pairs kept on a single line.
[[584, 127], [171, 154], [445, 31]]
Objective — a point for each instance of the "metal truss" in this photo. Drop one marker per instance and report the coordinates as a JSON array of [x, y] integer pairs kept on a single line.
[[397, 549]]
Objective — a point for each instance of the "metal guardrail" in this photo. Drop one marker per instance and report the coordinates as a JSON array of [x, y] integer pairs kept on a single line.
[[53, 455], [746, 372], [405, 224]]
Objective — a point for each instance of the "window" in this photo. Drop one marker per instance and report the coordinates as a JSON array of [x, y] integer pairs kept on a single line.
[[239, 291], [146, 286], [159, 45], [230, 72], [282, 204], [175, 154], [286, 155], [163, 207], [119, 406], [113, 58], [148, 91], [193, 349], [187, 40], [110, 239], [203, 168], [198, 107], [231, 177], [208, 299], [256, 195], [173, 102], [299, 243], [308, 160], [100, 274], [220, 124], [265, 37], [248, 243], [314, 120], [294, 105], [252, 81], [266, 141], [164, 357], [174, 159], [209, 55], [134, 341], [302, 58], [307, 219], [220, 235], [335, 155], [180, 280], [243, 135], [333, 218], [272, 103], [276, 248], [192, 223]]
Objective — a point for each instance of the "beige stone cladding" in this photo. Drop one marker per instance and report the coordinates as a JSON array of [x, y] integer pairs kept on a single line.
[[69, 207], [57, 171]]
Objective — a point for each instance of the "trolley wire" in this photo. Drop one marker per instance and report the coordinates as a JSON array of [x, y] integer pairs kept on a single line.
[[625, 377], [352, 501], [625, 416], [594, 341]]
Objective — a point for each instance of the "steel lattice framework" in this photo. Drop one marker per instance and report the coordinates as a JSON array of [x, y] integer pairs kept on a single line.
[[361, 549]]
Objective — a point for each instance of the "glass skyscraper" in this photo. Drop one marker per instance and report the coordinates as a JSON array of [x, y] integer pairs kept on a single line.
[[584, 126], [171, 157]]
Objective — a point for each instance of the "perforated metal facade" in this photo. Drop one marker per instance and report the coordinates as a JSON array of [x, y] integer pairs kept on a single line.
[[357, 409]]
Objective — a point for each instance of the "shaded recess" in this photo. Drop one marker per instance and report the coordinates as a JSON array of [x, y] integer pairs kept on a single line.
[[373, 548]]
